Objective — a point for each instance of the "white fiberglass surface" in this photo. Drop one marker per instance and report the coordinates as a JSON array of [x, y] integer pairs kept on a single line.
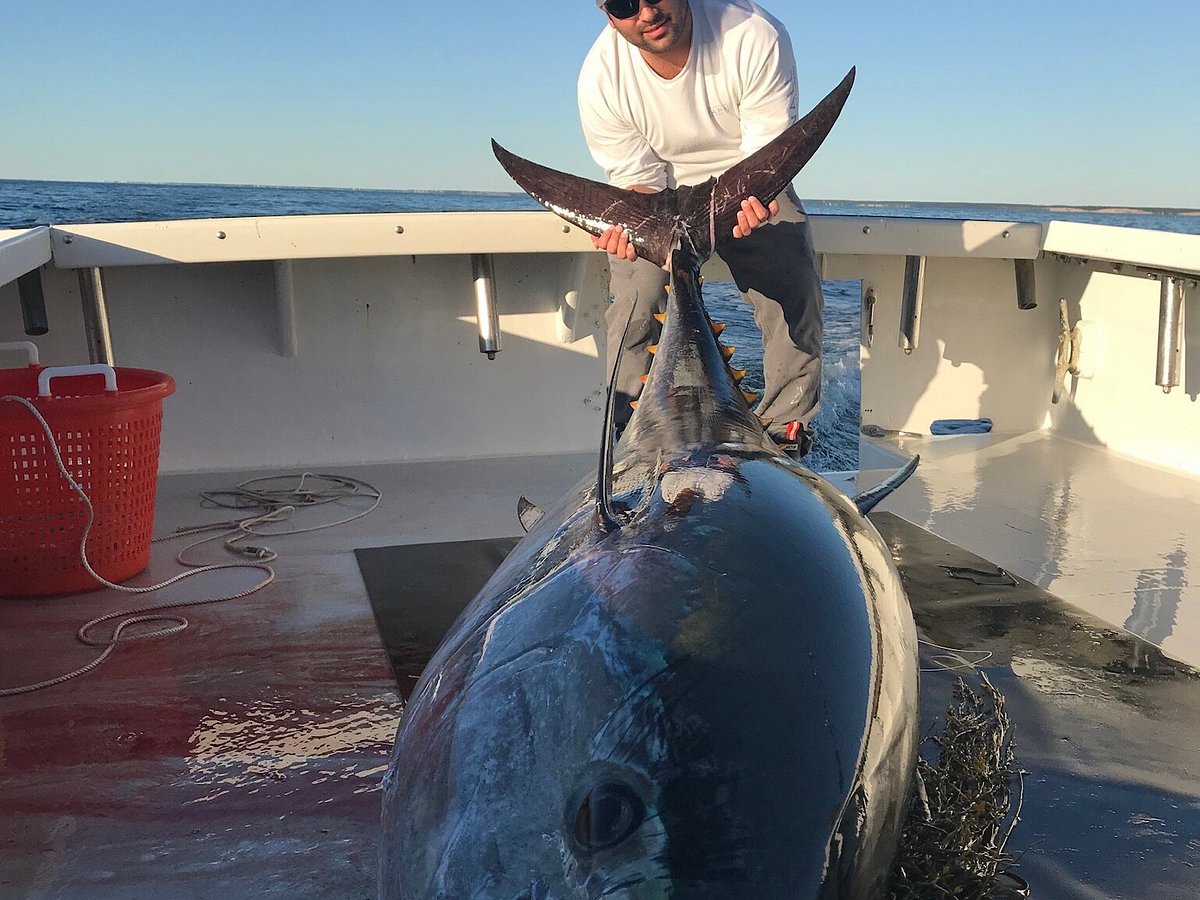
[[1102, 532]]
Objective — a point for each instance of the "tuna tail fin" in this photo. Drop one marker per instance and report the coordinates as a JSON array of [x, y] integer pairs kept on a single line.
[[658, 222], [595, 207], [766, 173]]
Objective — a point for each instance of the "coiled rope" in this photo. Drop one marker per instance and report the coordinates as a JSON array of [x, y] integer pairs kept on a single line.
[[233, 532]]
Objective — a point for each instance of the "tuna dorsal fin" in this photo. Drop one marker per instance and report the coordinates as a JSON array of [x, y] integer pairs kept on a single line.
[[607, 514], [696, 214]]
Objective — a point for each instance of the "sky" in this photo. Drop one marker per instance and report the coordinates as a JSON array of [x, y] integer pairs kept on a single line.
[[1005, 102]]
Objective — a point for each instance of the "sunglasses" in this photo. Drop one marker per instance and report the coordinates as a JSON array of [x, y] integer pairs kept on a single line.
[[626, 9]]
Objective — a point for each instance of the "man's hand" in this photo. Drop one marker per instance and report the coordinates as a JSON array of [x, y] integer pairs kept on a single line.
[[752, 214], [616, 242]]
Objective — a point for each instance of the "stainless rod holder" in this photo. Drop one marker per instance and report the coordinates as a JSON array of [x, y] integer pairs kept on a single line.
[[912, 297], [486, 312], [1026, 284], [1170, 332], [95, 316]]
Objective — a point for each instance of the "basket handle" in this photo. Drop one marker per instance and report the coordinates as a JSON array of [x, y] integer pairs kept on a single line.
[[109, 373], [28, 346]]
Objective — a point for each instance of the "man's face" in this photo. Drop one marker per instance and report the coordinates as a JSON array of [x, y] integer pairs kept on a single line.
[[657, 29]]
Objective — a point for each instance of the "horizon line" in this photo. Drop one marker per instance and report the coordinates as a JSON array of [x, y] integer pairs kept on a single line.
[[1058, 206]]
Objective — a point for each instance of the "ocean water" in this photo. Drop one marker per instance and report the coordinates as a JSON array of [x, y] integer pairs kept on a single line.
[[27, 203]]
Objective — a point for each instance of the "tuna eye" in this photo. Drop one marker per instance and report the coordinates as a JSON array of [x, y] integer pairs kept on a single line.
[[609, 814]]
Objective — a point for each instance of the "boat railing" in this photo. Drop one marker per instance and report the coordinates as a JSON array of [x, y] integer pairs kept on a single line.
[[960, 319]]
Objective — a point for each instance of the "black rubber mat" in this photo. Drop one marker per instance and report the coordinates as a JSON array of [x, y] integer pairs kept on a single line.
[[1104, 725], [418, 590]]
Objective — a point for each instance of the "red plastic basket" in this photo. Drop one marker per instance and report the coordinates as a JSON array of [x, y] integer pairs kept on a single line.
[[109, 442]]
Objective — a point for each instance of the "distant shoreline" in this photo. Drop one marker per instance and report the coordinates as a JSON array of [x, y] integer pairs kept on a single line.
[[1121, 210]]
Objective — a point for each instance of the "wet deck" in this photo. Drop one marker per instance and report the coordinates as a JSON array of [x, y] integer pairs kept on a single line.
[[243, 757]]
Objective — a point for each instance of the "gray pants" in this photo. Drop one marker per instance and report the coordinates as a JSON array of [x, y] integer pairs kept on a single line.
[[775, 268]]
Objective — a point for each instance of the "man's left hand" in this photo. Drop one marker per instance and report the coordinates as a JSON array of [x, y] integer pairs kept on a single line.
[[752, 214]]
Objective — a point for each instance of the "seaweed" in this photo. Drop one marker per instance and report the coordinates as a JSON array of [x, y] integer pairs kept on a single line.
[[960, 814]]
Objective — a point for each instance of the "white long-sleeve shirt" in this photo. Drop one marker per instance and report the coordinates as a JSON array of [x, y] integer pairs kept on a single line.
[[736, 93]]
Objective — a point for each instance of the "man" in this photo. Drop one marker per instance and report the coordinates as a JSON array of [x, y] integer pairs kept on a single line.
[[674, 92]]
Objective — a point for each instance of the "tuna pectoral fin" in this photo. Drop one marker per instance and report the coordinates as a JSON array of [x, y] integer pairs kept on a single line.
[[529, 513], [766, 173], [867, 500], [595, 207]]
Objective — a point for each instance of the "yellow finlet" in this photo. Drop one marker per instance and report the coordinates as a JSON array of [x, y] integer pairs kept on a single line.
[[750, 396], [717, 327], [653, 348], [727, 352], [660, 318], [738, 374]]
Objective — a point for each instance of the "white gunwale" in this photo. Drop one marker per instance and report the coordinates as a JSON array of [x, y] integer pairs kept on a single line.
[[22, 251], [455, 233]]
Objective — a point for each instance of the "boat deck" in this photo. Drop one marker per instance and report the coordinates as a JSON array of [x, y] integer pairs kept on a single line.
[[243, 757], [1103, 532]]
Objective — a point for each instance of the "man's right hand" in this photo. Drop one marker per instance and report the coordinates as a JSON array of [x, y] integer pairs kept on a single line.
[[616, 242]]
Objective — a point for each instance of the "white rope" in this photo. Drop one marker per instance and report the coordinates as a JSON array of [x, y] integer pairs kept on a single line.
[[232, 533], [955, 659]]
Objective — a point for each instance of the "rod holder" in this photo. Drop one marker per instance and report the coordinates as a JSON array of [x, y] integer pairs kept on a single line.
[[95, 316], [912, 297], [486, 312], [1026, 284], [33, 303], [285, 309], [1170, 332]]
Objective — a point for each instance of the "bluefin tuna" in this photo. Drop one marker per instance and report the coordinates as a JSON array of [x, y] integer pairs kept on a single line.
[[695, 677]]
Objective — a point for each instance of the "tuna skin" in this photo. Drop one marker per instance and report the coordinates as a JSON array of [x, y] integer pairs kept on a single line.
[[727, 682], [703, 686]]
